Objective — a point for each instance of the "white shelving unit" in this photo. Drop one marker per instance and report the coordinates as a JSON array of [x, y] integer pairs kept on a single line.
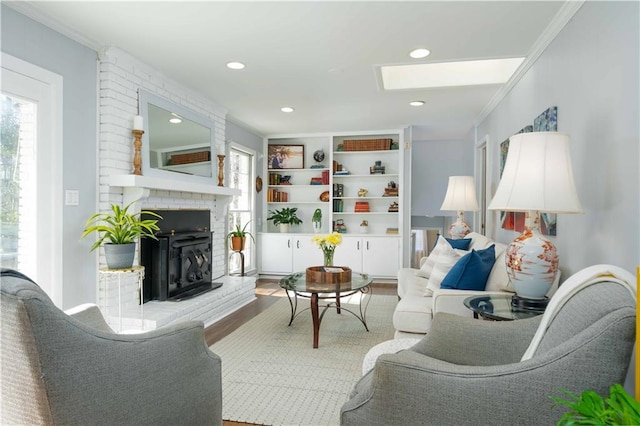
[[374, 252]]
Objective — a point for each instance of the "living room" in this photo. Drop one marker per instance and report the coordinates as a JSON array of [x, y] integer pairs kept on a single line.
[[588, 70]]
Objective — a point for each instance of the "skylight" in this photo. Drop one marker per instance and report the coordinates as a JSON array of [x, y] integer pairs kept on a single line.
[[448, 74]]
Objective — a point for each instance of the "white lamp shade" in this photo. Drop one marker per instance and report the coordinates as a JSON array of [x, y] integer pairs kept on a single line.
[[538, 175], [461, 194]]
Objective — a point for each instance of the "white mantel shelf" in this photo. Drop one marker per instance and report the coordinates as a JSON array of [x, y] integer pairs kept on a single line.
[[138, 187]]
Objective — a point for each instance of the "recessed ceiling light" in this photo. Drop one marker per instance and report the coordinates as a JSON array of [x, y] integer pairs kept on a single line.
[[419, 53], [235, 65], [416, 103], [449, 74], [286, 109], [175, 119]]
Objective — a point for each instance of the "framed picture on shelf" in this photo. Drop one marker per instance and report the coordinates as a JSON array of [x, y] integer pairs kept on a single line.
[[285, 156]]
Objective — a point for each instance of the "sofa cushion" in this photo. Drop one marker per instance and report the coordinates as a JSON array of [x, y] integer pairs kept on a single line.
[[413, 315], [409, 283], [471, 271], [441, 269], [479, 241], [498, 278]]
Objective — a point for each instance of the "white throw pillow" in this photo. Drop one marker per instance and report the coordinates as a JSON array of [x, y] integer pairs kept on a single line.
[[437, 266], [427, 266]]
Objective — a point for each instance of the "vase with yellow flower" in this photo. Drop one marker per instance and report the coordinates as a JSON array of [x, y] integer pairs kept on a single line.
[[327, 244]]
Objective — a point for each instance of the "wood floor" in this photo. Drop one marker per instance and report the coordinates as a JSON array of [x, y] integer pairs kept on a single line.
[[267, 293]]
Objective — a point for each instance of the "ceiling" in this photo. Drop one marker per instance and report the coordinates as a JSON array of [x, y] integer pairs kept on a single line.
[[320, 58]]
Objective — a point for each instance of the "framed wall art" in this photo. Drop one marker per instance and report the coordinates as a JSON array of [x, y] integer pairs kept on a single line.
[[285, 156]]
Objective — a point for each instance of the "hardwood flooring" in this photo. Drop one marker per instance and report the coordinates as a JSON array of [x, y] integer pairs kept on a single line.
[[268, 292]]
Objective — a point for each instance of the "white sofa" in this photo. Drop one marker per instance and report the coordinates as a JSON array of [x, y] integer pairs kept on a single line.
[[414, 312]]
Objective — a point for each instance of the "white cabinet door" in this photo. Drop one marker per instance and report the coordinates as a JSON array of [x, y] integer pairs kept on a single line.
[[305, 253], [349, 253], [276, 253], [381, 256]]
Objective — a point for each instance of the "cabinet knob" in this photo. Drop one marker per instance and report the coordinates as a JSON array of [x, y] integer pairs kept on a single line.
[[288, 243], [358, 245], [367, 245], [298, 244]]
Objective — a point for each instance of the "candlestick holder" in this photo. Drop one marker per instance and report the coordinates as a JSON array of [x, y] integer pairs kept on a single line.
[[137, 158], [220, 170]]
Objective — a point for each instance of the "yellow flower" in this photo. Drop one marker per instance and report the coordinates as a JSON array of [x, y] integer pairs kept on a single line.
[[334, 238], [327, 241]]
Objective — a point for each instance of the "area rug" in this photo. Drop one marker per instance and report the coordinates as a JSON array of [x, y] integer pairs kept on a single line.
[[272, 375]]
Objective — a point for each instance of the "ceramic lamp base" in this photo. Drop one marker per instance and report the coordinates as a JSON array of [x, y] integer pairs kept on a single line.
[[458, 230], [532, 264]]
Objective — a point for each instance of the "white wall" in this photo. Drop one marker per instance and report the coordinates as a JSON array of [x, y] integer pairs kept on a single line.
[[591, 72]]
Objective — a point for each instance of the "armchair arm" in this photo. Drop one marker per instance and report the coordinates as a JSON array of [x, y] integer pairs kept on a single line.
[[468, 341], [166, 376], [451, 301], [90, 315]]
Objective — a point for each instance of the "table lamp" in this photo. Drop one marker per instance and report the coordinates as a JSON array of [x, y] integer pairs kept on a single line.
[[537, 177], [460, 196]]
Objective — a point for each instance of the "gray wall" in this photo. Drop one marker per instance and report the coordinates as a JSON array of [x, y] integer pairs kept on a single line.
[[590, 71], [432, 162], [39, 45]]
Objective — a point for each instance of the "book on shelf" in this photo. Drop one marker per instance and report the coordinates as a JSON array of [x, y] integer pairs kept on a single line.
[[325, 177], [338, 206], [275, 196], [361, 207], [338, 190], [392, 231], [316, 181]]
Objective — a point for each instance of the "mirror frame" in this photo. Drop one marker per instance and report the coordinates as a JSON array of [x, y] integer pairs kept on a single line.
[[144, 99]]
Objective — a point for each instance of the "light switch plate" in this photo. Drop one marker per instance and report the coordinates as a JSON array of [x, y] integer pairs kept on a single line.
[[71, 197]]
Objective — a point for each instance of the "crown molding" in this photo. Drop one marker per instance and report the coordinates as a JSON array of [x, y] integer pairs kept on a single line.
[[556, 25], [31, 11]]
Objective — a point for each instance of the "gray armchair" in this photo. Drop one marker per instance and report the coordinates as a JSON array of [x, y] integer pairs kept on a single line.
[[72, 369], [469, 372]]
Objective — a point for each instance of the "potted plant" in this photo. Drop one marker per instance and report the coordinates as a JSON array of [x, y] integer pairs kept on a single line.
[[317, 220], [285, 217], [119, 230], [239, 236], [618, 408]]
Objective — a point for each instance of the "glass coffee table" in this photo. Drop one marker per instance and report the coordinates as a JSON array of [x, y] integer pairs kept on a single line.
[[297, 285], [499, 308]]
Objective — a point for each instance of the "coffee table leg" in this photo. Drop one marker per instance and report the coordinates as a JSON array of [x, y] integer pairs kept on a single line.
[[338, 302], [315, 318]]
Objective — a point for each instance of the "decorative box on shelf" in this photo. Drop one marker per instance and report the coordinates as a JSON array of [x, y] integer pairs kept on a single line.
[[328, 274]]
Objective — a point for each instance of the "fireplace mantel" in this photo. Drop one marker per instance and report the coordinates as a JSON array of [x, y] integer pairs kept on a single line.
[[136, 187]]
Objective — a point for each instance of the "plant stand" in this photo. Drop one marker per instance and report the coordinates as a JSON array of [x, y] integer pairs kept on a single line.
[[241, 263]]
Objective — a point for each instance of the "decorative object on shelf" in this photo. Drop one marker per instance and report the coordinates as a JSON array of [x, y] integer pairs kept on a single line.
[[119, 230], [138, 131], [285, 156], [220, 170], [318, 156], [537, 176], [317, 220], [238, 237], [284, 217], [460, 196], [377, 168], [328, 244], [391, 190], [362, 192], [340, 226], [393, 207], [364, 227], [324, 196], [383, 144], [258, 184]]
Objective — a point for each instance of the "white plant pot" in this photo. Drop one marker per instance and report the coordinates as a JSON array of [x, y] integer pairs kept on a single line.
[[284, 228]]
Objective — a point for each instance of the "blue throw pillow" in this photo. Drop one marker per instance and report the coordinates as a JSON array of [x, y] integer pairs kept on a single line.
[[472, 271], [461, 244]]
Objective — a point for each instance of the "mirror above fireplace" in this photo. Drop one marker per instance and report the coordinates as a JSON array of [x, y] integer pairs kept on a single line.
[[178, 143]]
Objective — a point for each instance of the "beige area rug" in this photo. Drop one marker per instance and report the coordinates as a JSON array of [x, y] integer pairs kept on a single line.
[[272, 375]]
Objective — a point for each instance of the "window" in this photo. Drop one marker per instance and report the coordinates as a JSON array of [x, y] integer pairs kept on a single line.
[[31, 173], [241, 172]]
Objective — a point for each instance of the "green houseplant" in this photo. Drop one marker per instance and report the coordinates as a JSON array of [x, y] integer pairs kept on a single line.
[[285, 217], [619, 408], [118, 230], [239, 236], [317, 220]]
